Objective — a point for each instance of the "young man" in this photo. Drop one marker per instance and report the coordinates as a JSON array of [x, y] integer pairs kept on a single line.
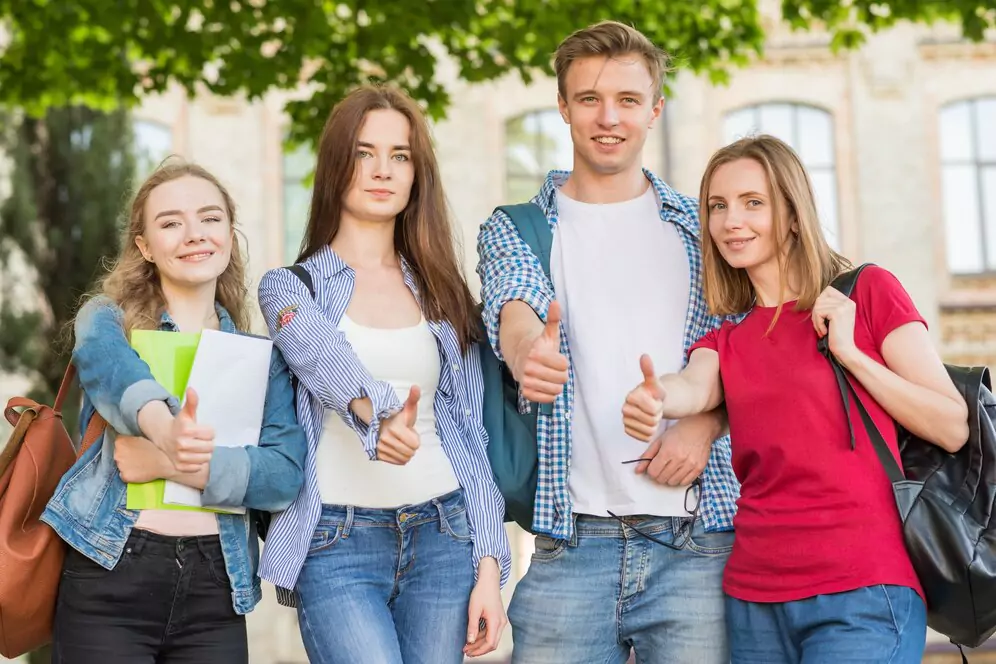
[[619, 565]]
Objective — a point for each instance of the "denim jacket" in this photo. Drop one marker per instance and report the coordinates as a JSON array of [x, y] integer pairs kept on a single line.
[[88, 508]]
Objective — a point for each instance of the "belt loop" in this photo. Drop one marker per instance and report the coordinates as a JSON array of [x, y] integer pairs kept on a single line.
[[348, 523], [137, 543], [443, 523], [574, 532]]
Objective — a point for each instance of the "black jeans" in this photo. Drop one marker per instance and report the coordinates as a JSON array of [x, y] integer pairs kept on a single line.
[[167, 601]]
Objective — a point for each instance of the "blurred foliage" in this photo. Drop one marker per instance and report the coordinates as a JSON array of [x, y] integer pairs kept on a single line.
[[104, 52], [70, 174]]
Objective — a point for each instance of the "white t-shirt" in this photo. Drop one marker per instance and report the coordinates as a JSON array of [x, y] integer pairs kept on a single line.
[[346, 476], [621, 276]]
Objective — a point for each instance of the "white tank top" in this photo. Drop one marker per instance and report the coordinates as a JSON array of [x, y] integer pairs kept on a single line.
[[346, 476]]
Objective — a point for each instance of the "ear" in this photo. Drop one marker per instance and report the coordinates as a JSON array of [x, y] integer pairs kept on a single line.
[[565, 112], [656, 112], [143, 246]]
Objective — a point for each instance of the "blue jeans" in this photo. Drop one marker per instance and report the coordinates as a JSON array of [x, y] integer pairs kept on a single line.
[[610, 590], [876, 625], [390, 586]]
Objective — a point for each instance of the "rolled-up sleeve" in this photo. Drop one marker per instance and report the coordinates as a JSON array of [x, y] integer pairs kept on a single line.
[[117, 380], [320, 356], [485, 504], [509, 270]]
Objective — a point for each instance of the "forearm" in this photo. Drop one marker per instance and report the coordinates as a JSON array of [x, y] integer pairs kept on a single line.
[[686, 398], [935, 417], [519, 323], [155, 421]]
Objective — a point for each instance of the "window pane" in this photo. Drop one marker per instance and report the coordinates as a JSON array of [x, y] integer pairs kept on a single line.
[[961, 219], [297, 166], [519, 150], [989, 212], [777, 120], [558, 133], [815, 137], [985, 126], [739, 124], [956, 133], [825, 190], [535, 143], [153, 143]]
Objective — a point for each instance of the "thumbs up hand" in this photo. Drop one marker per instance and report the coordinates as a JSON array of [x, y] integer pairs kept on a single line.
[[541, 368], [189, 445], [398, 437], [644, 405]]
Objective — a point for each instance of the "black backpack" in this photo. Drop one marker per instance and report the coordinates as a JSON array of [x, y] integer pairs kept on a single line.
[[262, 519], [946, 502]]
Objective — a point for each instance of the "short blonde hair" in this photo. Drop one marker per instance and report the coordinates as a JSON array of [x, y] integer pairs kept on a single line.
[[728, 290], [610, 39]]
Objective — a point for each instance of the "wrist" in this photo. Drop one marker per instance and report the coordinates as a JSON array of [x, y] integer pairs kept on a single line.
[[851, 358], [488, 568]]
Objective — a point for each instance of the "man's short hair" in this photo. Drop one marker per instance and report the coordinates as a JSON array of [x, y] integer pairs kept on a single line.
[[610, 39]]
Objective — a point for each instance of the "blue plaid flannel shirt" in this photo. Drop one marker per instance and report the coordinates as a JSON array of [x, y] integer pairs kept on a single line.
[[510, 271]]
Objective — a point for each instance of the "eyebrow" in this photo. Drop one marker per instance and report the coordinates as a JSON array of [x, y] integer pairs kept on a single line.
[[393, 147], [172, 213], [594, 93]]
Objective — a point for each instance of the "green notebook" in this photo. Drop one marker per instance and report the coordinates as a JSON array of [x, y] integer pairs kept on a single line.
[[170, 356]]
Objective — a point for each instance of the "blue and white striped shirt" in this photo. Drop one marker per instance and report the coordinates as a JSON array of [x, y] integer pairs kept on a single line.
[[510, 271], [306, 330]]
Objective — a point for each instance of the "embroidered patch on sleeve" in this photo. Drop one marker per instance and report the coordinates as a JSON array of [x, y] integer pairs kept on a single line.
[[285, 316]]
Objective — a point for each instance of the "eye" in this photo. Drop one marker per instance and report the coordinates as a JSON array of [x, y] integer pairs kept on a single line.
[[363, 154], [754, 202], [213, 219], [588, 100], [170, 224], [718, 206], [401, 157], [631, 100]]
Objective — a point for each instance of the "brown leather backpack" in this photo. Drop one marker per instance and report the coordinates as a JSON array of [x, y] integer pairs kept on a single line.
[[36, 457]]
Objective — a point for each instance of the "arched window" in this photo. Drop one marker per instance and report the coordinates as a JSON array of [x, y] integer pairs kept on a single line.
[[968, 184], [535, 143], [809, 131], [153, 143], [297, 166]]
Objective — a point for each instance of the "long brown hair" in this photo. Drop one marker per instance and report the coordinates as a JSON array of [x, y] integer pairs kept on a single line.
[[423, 233], [133, 282], [809, 258]]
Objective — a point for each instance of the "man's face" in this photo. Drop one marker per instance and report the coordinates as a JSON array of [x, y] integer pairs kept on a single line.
[[610, 106]]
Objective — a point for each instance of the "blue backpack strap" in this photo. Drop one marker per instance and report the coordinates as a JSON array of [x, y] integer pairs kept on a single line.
[[533, 227]]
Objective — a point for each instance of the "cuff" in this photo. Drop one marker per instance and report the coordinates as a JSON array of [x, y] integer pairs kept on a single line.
[[504, 560], [385, 404], [534, 297], [228, 477], [137, 396]]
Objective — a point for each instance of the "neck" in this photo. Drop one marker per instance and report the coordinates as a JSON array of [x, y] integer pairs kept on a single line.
[[191, 307], [363, 243], [588, 186], [766, 280]]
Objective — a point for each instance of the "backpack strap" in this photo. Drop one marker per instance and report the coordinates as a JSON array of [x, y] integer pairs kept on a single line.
[[533, 227], [298, 271]]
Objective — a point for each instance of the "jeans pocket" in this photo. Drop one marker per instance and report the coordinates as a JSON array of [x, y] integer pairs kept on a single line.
[[456, 525], [326, 536], [710, 544], [547, 548], [78, 566]]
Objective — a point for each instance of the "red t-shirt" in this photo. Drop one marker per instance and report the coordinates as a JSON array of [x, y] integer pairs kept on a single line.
[[814, 516]]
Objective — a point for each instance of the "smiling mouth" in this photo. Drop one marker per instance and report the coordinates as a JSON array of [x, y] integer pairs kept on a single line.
[[195, 258], [738, 244], [608, 140]]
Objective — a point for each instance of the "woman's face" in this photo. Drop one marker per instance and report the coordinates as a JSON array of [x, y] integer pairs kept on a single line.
[[384, 171], [741, 215], [188, 234]]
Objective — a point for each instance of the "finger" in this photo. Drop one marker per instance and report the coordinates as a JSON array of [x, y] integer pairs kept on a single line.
[[550, 390], [539, 371], [639, 431], [194, 445], [537, 396], [688, 477], [551, 329], [641, 407], [650, 380], [198, 432], [193, 458], [649, 455], [190, 405], [659, 465], [473, 623], [388, 455], [410, 409]]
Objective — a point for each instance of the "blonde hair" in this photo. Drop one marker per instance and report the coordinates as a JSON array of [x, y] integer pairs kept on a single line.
[[133, 282], [610, 39], [810, 259]]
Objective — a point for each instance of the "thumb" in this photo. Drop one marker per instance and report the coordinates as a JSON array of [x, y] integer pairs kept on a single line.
[[551, 330], [411, 405], [474, 624], [190, 405], [649, 376]]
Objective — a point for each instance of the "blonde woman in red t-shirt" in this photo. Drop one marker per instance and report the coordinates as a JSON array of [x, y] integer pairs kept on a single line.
[[819, 572]]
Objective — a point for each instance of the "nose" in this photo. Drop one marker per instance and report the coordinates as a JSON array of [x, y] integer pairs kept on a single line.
[[733, 219], [608, 114], [194, 231], [382, 167]]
